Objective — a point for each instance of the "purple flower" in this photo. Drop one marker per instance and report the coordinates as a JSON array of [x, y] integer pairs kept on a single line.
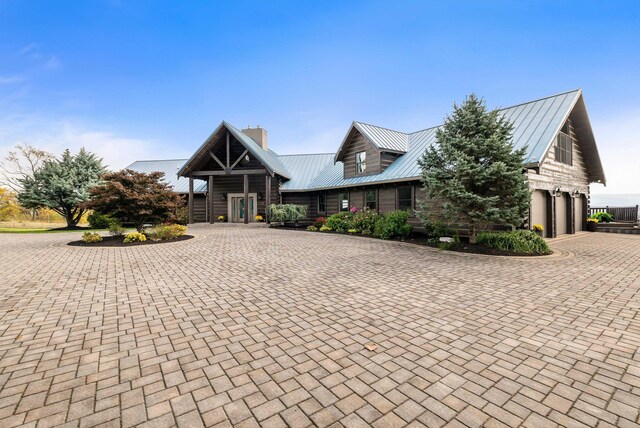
[[354, 210]]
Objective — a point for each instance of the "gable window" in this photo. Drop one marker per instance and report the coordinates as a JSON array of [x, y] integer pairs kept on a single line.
[[322, 202], [371, 200], [564, 146], [361, 162], [343, 202], [405, 198]]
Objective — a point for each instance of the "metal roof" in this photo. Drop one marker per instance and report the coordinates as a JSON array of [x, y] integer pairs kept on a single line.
[[304, 169], [267, 157], [170, 169], [383, 138], [535, 125]]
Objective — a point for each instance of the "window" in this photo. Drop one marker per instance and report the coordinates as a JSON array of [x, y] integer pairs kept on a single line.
[[564, 146], [405, 199], [361, 162], [371, 200], [343, 202], [322, 203]]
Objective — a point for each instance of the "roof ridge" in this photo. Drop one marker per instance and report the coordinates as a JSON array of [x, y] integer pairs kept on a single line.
[[381, 127], [160, 160], [540, 99], [306, 154]]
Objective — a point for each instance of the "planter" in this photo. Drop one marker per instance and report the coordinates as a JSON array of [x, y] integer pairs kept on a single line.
[[592, 226]]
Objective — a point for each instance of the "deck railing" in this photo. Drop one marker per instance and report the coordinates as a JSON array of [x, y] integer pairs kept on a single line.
[[620, 214]]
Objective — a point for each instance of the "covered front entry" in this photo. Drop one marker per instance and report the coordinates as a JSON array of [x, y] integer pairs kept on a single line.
[[239, 209], [242, 175]]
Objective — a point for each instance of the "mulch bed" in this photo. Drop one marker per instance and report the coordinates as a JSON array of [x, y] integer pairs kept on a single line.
[[419, 239], [116, 241]]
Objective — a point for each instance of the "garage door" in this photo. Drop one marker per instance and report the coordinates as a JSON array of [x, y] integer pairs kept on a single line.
[[539, 208], [579, 215], [561, 214]]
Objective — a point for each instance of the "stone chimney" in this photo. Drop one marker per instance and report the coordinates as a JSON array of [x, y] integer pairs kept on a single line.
[[257, 134]]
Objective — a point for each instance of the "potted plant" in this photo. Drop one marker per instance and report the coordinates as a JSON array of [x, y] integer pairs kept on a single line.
[[259, 218], [538, 228], [592, 224], [222, 218]]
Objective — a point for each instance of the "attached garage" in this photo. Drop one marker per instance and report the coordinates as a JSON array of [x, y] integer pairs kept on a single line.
[[539, 208], [562, 209]]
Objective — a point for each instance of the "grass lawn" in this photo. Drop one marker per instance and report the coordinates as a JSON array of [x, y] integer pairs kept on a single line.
[[38, 230]]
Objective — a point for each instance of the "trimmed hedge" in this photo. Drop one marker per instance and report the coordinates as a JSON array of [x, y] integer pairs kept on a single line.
[[519, 241]]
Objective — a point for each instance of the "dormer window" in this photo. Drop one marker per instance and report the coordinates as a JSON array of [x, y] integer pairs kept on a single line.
[[564, 146], [361, 162]]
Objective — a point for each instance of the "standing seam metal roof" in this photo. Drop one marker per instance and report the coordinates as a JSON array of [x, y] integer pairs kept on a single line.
[[535, 125]]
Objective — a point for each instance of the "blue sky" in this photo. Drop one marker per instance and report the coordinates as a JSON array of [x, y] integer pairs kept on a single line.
[[151, 79]]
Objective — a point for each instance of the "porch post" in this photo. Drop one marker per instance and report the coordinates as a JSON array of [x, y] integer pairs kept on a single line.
[[211, 204], [267, 197], [246, 199], [191, 219]]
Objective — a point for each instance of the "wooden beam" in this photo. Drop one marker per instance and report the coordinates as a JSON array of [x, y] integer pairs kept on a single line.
[[231, 172], [239, 159], [210, 189], [267, 196], [215, 158], [228, 149], [246, 199], [191, 217]]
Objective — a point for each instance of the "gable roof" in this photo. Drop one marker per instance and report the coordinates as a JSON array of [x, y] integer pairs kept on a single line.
[[267, 157], [535, 125], [384, 139]]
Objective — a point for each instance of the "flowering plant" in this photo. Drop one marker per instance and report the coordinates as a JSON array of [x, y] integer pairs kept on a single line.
[[354, 210], [592, 220], [319, 222], [259, 218], [221, 218], [537, 228]]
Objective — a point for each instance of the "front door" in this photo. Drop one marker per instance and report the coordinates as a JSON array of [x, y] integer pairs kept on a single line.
[[239, 208]]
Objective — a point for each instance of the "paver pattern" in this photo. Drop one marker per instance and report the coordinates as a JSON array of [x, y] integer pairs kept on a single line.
[[250, 326]]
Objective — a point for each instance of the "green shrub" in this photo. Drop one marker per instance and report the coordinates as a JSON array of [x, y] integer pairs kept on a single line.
[[134, 237], [352, 231], [312, 228], [115, 229], [100, 221], [341, 222], [365, 221], [393, 225], [437, 229], [602, 217], [325, 229], [91, 237], [287, 212], [519, 241], [166, 232]]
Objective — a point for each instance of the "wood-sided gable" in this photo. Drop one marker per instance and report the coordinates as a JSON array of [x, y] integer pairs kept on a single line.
[[586, 166], [228, 152]]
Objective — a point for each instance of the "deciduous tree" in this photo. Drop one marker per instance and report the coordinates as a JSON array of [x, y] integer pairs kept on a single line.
[[135, 197], [472, 174]]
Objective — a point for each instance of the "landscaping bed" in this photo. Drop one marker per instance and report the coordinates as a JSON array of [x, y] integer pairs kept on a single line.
[[425, 241], [117, 241]]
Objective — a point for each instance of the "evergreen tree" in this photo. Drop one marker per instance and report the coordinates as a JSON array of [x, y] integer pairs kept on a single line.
[[472, 174], [63, 185]]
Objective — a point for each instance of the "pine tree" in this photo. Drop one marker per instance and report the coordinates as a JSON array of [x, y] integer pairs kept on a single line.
[[472, 174]]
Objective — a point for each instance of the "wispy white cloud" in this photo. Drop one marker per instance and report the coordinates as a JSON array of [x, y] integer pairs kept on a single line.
[[117, 151], [33, 51], [10, 80]]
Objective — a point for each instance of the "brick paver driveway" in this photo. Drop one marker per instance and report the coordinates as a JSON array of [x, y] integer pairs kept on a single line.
[[249, 326]]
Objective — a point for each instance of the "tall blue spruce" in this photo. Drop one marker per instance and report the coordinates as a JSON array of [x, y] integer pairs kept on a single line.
[[473, 175]]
